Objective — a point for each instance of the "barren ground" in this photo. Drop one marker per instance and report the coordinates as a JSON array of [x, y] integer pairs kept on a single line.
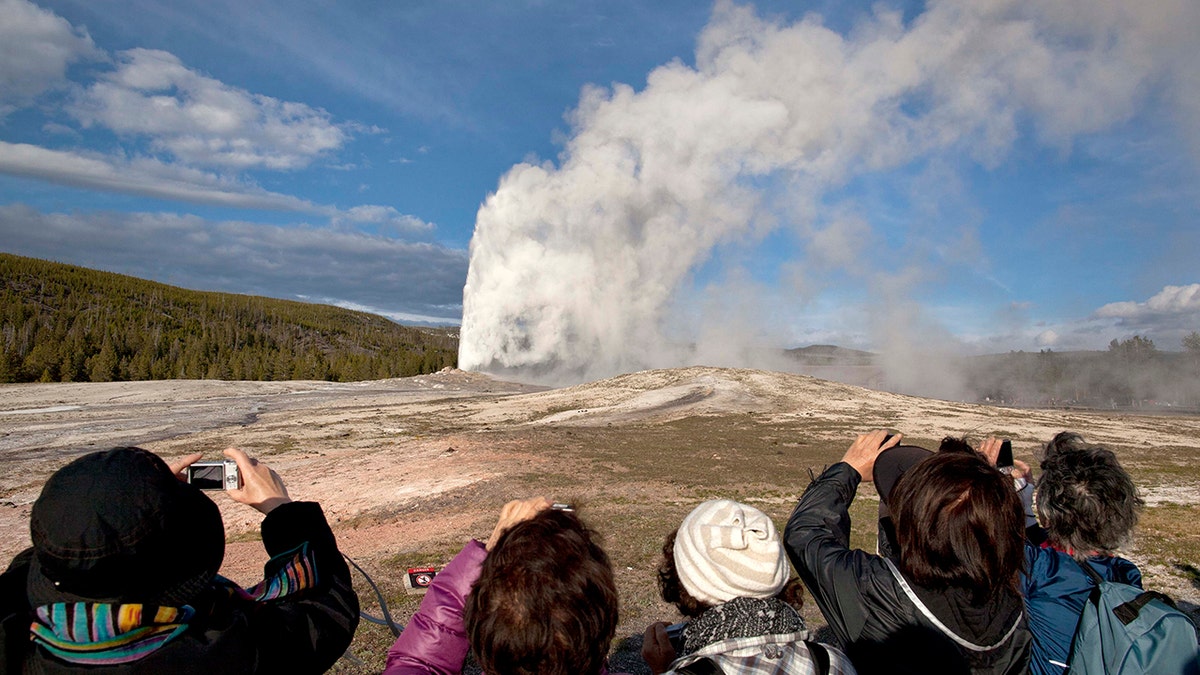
[[409, 469]]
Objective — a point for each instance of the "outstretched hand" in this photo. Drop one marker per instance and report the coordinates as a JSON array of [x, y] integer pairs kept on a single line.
[[866, 448], [516, 511], [990, 449], [261, 488]]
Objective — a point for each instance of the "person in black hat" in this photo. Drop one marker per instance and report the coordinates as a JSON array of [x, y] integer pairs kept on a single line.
[[122, 577]]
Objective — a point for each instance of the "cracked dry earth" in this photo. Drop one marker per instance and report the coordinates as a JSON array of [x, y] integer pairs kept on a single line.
[[408, 469]]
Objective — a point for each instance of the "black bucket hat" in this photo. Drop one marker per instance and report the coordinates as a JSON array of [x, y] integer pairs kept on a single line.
[[890, 465], [118, 526]]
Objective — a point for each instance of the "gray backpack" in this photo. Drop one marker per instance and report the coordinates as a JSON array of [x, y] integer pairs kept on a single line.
[[1125, 631]]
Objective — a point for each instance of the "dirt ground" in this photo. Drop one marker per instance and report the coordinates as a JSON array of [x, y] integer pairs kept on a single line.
[[408, 469]]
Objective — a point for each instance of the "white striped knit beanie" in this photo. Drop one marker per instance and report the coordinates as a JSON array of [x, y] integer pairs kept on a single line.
[[726, 550]]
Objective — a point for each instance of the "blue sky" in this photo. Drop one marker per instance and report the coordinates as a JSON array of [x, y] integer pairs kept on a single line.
[[1036, 187]]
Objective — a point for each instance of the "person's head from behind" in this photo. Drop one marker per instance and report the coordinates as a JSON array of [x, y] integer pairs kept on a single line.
[[1063, 440], [545, 602], [119, 526], [1086, 502], [955, 444], [959, 523], [724, 550]]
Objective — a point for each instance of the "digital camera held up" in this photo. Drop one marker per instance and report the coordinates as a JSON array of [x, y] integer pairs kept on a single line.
[[221, 475]]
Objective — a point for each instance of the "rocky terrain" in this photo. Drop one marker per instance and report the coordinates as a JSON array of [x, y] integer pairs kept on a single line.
[[408, 469]]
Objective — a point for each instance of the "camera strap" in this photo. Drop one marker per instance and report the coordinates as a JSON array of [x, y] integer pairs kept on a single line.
[[387, 616]]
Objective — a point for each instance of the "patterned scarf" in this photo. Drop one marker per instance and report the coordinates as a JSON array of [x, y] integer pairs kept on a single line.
[[297, 574], [741, 618], [101, 633]]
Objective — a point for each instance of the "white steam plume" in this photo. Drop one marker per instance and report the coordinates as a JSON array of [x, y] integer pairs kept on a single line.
[[581, 269]]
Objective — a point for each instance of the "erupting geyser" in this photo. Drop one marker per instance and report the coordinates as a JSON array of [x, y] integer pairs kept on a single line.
[[580, 268]]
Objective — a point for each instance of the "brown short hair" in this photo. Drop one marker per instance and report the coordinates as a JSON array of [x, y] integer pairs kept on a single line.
[[672, 590], [959, 523], [545, 602]]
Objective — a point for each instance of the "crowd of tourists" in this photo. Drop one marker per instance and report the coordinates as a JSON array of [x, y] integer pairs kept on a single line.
[[980, 567]]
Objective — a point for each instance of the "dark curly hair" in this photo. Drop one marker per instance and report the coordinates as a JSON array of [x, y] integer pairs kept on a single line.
[[953, 444], [545, 602], [1063, 440], [672, 590], [1085, 500]]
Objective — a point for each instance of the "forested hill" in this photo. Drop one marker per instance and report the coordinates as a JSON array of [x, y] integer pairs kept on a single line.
[[61, 323]]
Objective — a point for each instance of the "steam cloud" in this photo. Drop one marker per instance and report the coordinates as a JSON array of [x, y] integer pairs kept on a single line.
[[587, 267]]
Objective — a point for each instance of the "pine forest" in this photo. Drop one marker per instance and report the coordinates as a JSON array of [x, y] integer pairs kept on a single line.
[[62, 323]]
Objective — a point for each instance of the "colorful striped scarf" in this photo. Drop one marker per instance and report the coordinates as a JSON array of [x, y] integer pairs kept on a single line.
[[297, 574], [101, 633]]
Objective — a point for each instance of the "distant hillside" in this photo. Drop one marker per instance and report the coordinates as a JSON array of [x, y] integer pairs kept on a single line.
[[831, 355], [1132, 373], [73, 324]]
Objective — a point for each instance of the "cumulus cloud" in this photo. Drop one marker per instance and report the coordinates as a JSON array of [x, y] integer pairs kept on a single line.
[[1166, 317], [577, 264], [1171, 301], [36, 47], [388, 275], [201, 120]]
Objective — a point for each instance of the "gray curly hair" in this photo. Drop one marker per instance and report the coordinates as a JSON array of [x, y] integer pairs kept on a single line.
[[1085, 499]]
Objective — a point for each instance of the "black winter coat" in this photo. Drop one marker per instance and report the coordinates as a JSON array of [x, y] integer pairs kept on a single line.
[[301, 632], [865, 602]]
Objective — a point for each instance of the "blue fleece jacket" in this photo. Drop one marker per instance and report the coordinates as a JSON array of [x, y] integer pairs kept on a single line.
[[1056, 590]]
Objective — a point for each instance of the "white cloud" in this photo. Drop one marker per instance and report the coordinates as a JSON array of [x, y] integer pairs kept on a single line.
[[1166, 317], [385, 216], [448, 316], [142, 176], [1047, 338], [200, 120], [1170, 302], [150, 177], [36, 46], [391, 276]]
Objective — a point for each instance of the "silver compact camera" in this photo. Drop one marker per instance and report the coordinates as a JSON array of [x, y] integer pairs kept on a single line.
[[214, 475]]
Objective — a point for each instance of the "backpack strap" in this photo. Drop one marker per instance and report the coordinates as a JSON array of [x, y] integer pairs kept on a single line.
[[704, 666], [820, 656], [1090, 571], [1127, 612]]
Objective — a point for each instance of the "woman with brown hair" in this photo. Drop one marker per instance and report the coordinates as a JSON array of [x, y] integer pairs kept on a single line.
[[952, 602]]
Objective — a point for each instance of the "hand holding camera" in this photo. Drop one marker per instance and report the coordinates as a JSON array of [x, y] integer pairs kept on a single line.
[[242, 477], [213, 475], [261, 488], [661, 645], [999, 454]]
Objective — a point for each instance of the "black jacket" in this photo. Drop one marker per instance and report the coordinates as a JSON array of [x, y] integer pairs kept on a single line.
[[865, 602], [303, 631]]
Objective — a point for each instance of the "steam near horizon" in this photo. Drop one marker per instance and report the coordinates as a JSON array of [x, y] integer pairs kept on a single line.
[[605, 261]]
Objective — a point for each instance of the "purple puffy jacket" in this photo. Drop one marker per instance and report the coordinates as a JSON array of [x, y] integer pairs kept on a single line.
[[435, 640]]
